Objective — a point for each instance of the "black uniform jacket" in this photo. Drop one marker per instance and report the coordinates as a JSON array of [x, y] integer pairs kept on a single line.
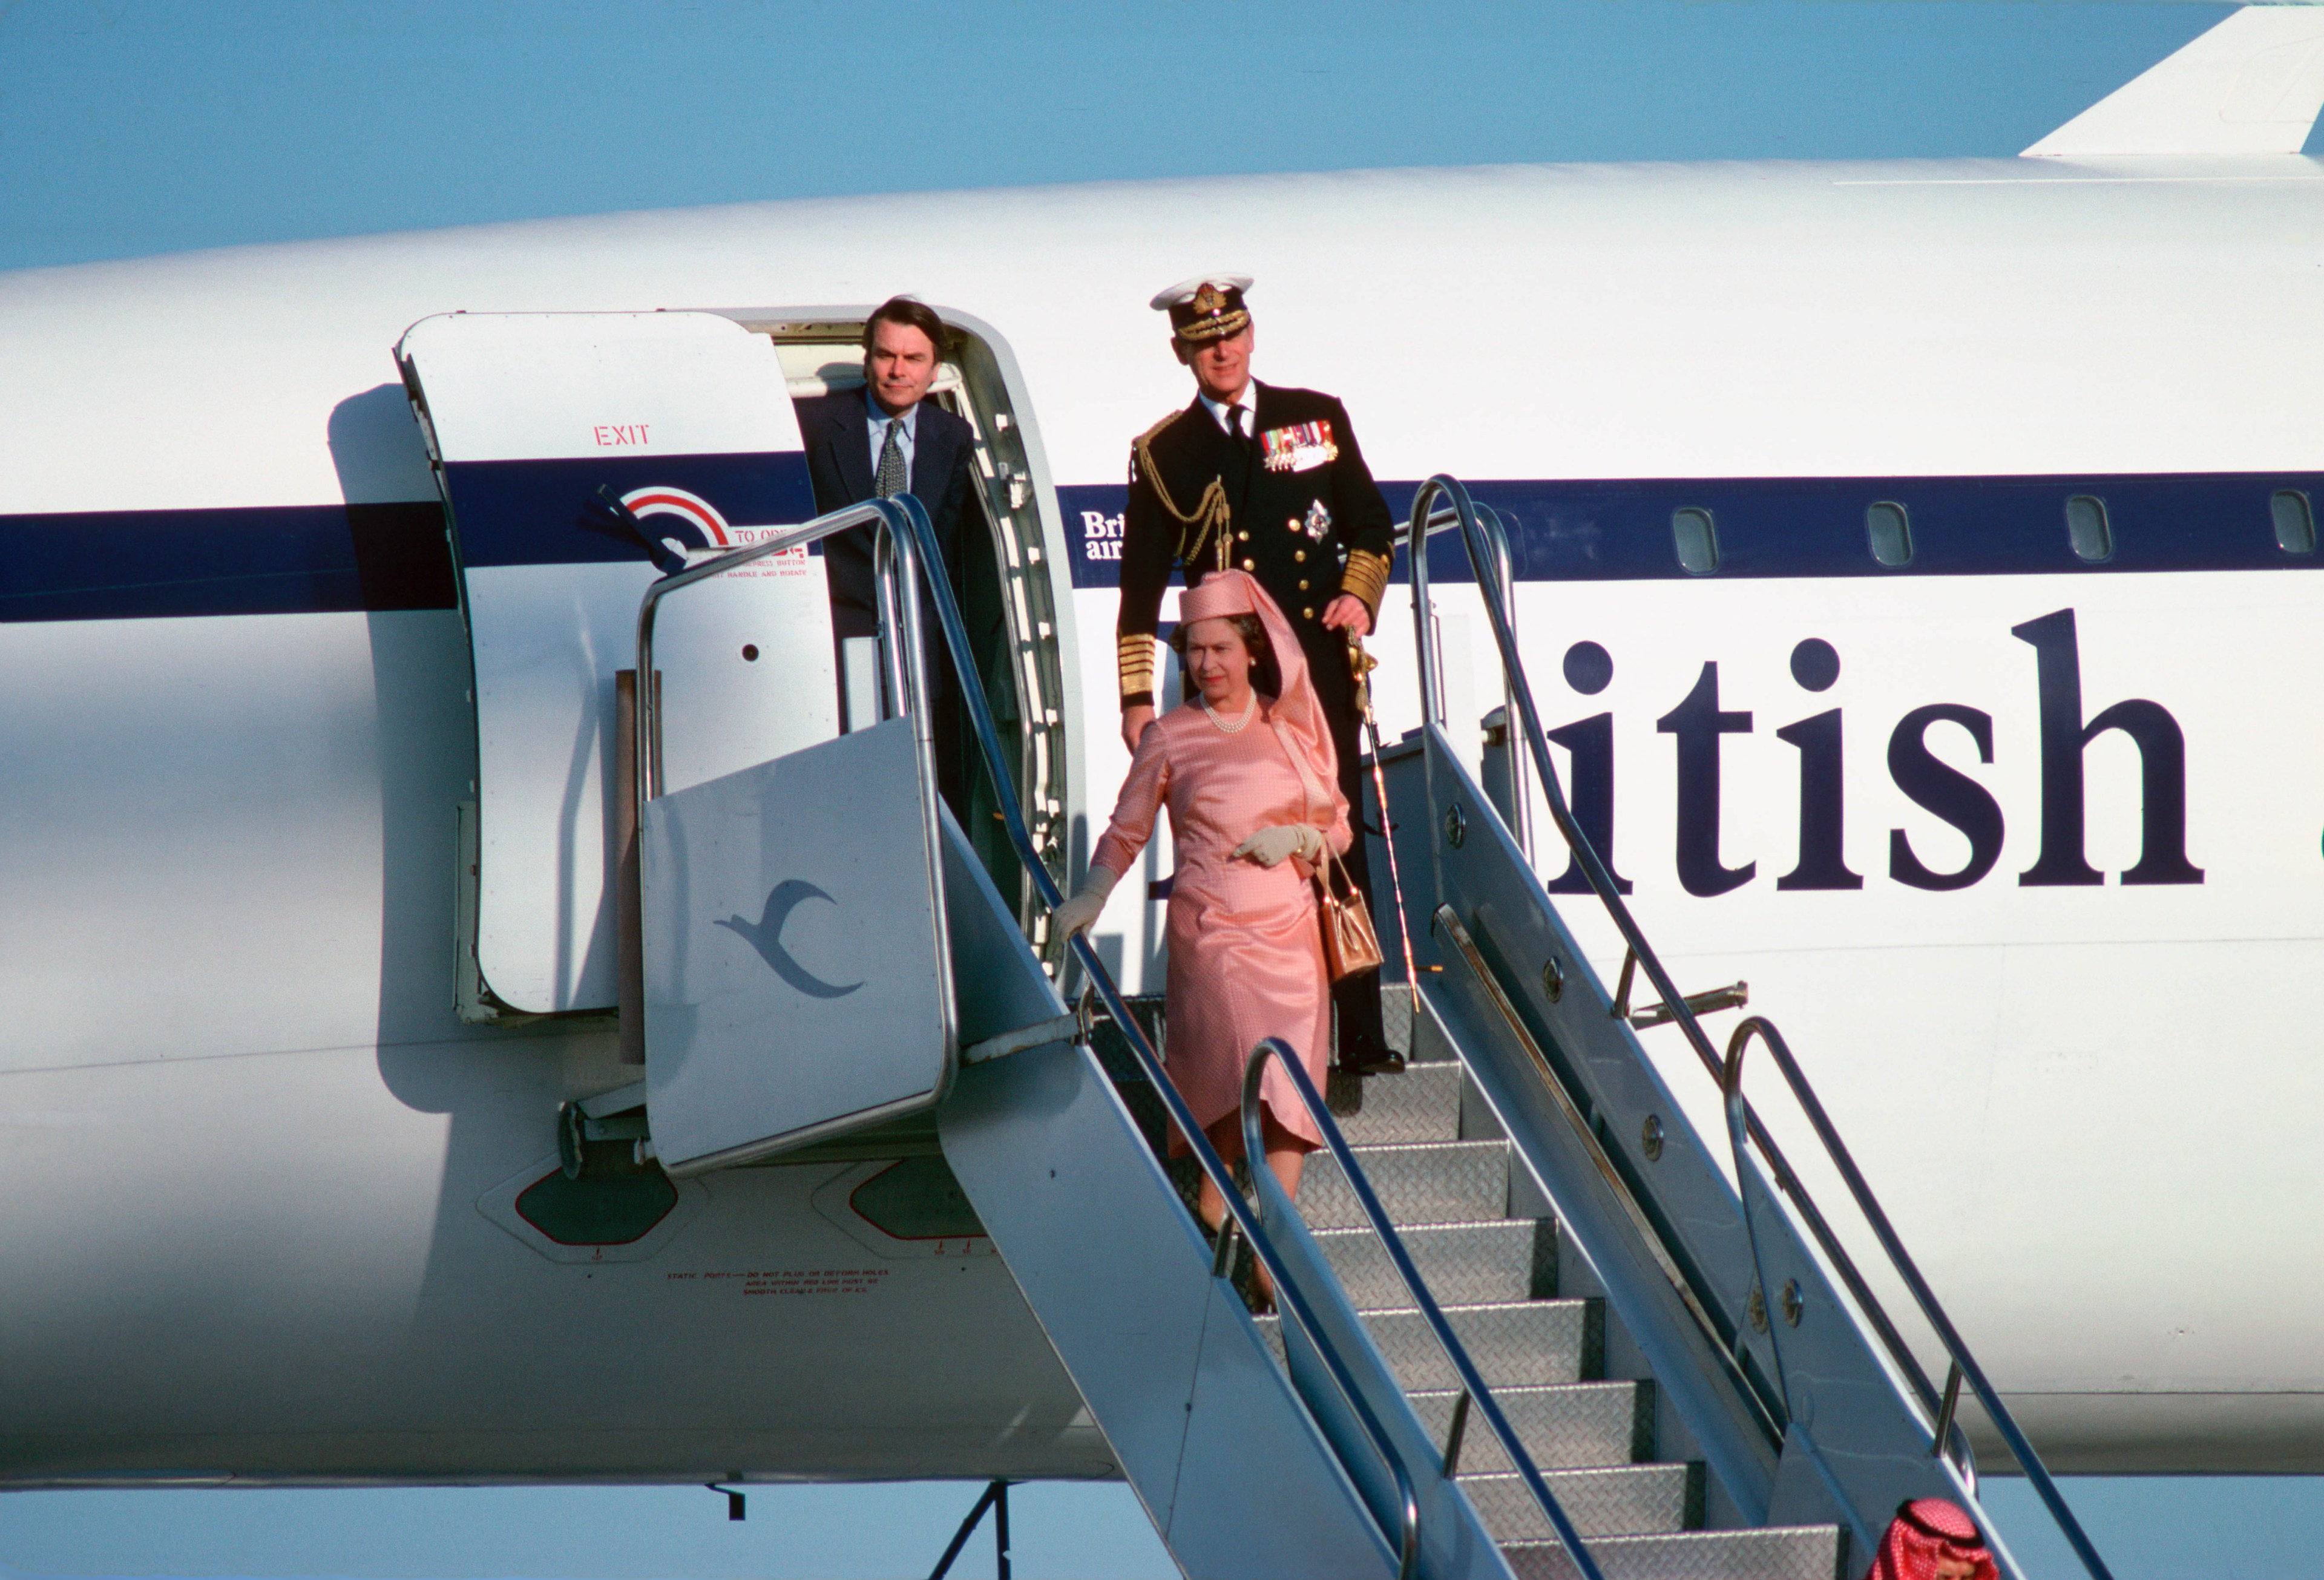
[[839, 461], [1295, 506]]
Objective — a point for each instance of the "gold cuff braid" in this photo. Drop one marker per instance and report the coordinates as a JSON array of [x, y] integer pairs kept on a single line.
[[1135, 656], [1366, 577]]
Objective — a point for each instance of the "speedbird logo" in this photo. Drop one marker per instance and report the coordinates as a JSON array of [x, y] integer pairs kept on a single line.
[[703, 527], [766, 936]]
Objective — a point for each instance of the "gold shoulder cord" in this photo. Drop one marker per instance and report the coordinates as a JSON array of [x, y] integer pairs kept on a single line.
[[1209, 519]]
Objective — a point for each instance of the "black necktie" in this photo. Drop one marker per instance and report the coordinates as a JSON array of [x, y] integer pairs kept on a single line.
[[1234, 429]]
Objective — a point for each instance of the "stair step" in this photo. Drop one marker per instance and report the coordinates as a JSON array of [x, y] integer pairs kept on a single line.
[[1467, 1264], [1800, 1552], [1422, 1104], [1627, 1499], [1514, 1344], [1564, 1427], [1430, 1182]]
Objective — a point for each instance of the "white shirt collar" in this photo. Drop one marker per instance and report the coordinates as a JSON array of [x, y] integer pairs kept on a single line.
[[1247, 401]]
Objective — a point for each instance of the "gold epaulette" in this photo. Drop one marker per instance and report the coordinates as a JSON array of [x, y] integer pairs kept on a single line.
[[1206, 523], [1135, 656], [1366, 577]]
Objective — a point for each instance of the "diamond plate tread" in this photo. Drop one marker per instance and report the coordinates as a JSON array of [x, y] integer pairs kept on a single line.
[[1796, 1552], [1628, 1500], [1431, 1182], [1466, 1264], [1422, 1104], [1421, 1042], [1571, 1426], [1513, 1344]]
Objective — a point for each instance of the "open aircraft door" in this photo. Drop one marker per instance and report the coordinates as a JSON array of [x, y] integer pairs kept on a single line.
[[534, 420]]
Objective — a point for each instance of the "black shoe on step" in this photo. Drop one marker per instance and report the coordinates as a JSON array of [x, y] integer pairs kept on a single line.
[[1370, 1060]]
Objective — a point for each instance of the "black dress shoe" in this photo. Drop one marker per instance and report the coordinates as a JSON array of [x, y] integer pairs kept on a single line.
[[1370, 1060]]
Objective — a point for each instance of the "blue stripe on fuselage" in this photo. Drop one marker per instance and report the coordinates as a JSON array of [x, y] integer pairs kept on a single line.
[[1621, 530], [128, 564], [288, 559], [326, 559]]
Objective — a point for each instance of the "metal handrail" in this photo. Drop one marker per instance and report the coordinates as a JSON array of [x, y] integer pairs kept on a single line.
[[912, 530], [1737, 1113], [1472, 1379], [1482, 548], [1481, 536], [1766, 1411], [1496, 542], [1473, 537], [1478, 525], [897, 560]]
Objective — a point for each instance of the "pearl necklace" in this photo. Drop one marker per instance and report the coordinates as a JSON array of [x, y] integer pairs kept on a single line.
[[1225, 727]]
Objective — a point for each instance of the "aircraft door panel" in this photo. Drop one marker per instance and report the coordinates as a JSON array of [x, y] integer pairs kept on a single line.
[[685, 419], [797, 982]]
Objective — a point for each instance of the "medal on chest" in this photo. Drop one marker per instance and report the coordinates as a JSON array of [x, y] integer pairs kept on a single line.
[[1299, 446], [1319, 521]]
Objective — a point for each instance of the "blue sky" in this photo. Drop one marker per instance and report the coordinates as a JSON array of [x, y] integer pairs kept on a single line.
[[130, 127]]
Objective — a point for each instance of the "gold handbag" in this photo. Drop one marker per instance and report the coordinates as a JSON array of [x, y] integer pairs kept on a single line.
[[1351, 946]]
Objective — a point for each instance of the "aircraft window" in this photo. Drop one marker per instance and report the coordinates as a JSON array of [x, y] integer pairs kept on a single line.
[[1697, 539], [2295, 521], [2086, 528], [1891, 531]]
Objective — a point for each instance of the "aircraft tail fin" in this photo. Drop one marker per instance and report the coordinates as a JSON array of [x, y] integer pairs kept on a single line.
[[2252, 84]]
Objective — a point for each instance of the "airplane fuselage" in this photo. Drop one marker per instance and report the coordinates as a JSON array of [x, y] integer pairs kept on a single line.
[[2016, 836]]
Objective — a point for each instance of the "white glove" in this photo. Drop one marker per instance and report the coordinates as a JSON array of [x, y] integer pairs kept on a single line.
[[1271, 846], [1077, 913]]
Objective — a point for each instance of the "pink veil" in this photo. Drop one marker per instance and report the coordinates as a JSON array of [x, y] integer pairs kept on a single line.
[[1298, 710]]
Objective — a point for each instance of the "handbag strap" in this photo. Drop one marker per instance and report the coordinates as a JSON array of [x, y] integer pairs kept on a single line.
[[1317, 796]]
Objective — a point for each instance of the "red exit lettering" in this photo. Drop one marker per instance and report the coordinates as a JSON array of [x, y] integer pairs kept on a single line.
[[610, 435]]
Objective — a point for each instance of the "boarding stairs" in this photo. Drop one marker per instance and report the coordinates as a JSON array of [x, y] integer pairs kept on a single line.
[[1526, 1326], [1489, 1246]]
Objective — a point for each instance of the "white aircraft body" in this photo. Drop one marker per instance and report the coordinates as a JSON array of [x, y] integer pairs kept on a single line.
[[2018, 836]]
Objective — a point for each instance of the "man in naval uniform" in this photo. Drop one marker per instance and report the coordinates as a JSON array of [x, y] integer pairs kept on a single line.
[[1268, 480]]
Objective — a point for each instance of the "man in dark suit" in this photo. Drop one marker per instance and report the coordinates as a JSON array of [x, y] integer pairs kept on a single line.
[[885, 439], [1270, 481]]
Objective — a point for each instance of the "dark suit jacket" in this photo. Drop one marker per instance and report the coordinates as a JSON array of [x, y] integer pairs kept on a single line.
[[1307, 531], [839, 461]]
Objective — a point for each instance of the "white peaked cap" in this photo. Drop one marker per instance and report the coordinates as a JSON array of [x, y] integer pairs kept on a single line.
[[1184, 291]]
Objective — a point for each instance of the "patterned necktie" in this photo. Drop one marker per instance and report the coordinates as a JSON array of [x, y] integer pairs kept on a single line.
[[892, 480]]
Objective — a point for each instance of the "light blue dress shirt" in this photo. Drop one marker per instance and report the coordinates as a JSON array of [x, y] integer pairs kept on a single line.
[[876, 420]]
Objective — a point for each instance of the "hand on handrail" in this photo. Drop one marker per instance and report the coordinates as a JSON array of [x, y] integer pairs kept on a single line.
[[1076, 915]]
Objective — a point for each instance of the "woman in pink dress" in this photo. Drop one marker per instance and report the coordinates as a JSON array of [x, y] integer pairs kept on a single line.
[[1252, 786]]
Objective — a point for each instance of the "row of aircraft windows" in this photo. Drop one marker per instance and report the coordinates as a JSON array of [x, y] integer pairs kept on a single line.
[[1888, 530]]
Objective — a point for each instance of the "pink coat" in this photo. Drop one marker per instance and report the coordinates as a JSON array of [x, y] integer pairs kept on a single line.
[[1246, 946]]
